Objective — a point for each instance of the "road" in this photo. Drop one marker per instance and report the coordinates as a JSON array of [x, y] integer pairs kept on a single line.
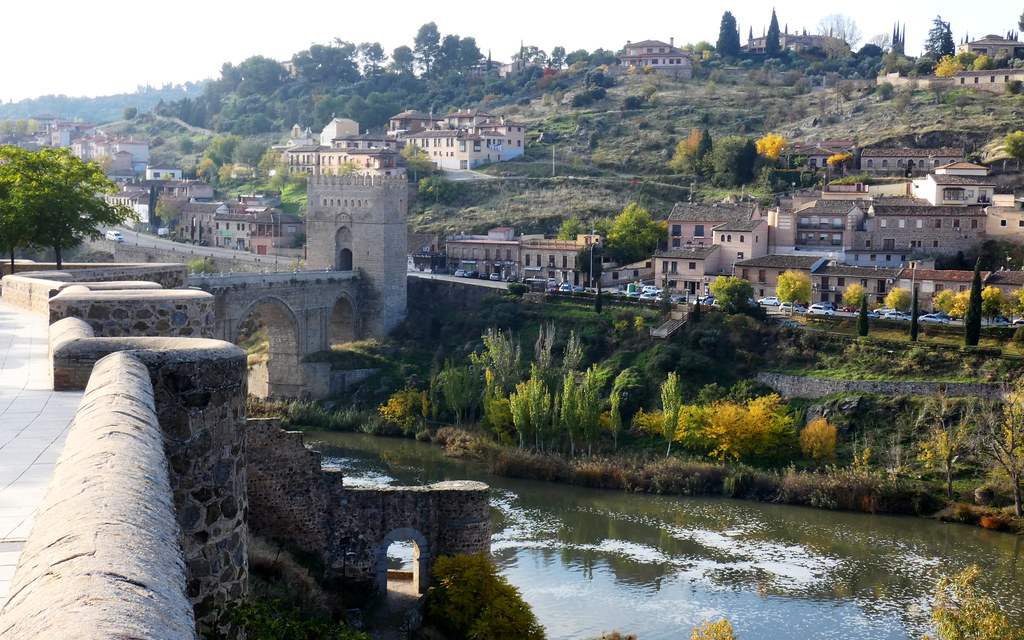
[[471, 281], [145, 240]]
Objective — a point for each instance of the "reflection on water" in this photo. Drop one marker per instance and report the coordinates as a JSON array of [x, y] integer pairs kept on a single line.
[[590, 561]]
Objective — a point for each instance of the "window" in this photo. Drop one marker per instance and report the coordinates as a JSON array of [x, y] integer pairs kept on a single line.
[[615, 275], [745, 274], [527, 259], [565, 262], [867, 244], [741, 238], [919, 223], [871, 164], [902, 223], [885, 164], [693, 265], [872, 258], [938, 223], [674, 267], [677, 229], [883, 223], [675, 243], [698, 231], [840, 282], [739, 255], [935, 244], [974, 223], [664, 266], [761, 276], [956, 223]]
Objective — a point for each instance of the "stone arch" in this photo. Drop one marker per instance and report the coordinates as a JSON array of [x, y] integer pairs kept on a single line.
[[421, 565], [283, 376], [343, 323], [343, 249]]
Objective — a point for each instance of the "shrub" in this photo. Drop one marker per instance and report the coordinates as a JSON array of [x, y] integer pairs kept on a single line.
[[1013, 87], [633, 102], [517, 289]]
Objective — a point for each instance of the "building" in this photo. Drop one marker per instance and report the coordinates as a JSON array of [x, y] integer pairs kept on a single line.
[[162, 172], [687, 270], [338, 128], [892, 235], [662, 56], [929, 282], [1004, 218], [549, 258], [792, 41], [495, 252], [994, 46], [692, 224], [829, 281], [907, 161], [99, 146], [500, 251], [763, 273], [466, 139], [959, 184]]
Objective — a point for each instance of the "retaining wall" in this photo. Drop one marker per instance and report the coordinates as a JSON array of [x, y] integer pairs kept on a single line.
[[103, 559], [168, 275], [147, 312], [806, 387]]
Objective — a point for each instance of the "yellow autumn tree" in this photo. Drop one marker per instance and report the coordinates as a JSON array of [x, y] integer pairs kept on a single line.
[[853, 295], [838, 159], [404, 407], [948, 66], [771, 146], [707, 630], [818, 440], [943, 301], [993, 301], [757, 427], [898, 299], [960, 301]]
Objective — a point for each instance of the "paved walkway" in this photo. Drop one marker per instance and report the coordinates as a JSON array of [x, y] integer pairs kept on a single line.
[[33, 422]]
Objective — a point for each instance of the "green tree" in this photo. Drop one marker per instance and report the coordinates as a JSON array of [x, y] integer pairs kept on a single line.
[[771, 42], [270, 165], [671, 405], [862, 317], [590, 405], [56, 197], [794, 286], [962, 612], [634, 235], [1013, 145], [461, 389], [571, 227], [940, 40], [1001, 440], [913, 318], [417, 162], [732, 294], [427, 46], [728, 45], [129, 113], [472, 600], [531, 407], [402, 60], [503, 357], [15, 229], [972, 319], [733, 161]]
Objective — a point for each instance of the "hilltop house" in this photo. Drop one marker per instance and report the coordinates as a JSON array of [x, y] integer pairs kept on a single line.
[[994, 46], [960, 184], [906, 161], [665, 57], [468, 138]]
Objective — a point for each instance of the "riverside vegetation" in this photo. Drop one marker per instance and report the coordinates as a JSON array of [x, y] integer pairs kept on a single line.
[[604, 405]]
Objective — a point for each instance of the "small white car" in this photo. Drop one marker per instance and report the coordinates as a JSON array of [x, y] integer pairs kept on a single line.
[[114, 235], [933, 318], [819, 310], [770, 301]]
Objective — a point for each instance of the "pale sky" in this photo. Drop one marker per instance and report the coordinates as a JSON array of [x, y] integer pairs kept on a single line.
[[110, 46]]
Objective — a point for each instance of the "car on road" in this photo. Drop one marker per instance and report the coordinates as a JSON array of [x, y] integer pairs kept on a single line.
[[933, 318], [460, 273], [114, 235], [511, 279], [849, 309], [496, 277], [893, 314], [883, 310], [770, 301], [827, 305], [787, 307], [565, 286], [648, 295], [998, 322], [677, 298], [820, 310], [650, 288]]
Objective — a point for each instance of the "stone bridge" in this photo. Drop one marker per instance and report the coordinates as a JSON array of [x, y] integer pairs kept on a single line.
[[304, 312]]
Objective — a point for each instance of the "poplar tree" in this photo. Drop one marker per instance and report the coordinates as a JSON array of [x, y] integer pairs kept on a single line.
[[913, 318], [972, 319]]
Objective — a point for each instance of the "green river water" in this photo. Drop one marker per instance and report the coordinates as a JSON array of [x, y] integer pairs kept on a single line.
[[590, 561]]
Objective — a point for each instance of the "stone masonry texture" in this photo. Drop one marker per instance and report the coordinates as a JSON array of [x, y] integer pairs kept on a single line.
[[806, 387]]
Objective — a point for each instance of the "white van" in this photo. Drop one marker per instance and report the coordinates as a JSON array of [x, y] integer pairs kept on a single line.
[[116, 236]]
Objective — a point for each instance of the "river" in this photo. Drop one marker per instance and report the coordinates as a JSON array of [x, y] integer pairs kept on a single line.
[[590, 561]]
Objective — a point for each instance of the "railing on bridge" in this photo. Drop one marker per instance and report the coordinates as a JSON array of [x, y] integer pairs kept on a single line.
[[215, 280]]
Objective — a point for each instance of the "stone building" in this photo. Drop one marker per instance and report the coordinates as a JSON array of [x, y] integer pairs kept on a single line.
[[687, 270], [691, 224], [763, 273], [663, 56], [891, 235], [829, 281], [959, 184], [358, 223], [907, 161]]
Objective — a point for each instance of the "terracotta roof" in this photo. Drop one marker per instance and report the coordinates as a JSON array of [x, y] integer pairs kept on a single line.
[[857, 272], [711, 212], [834, 206], [782, 261], [469, 113], [438, 133], [1005, 277], [964, 180], [963, 165], [947, 275], [903, 210], [694, 253], [943, 152], [741, 225], [417, 115]]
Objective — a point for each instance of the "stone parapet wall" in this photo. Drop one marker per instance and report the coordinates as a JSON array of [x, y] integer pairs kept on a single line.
[[31, 294], [806, 387], [159, 312], [103, 559], [182, 254], [166, 274]]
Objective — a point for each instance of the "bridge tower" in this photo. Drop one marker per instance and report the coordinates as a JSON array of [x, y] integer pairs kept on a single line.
[[358, 223]]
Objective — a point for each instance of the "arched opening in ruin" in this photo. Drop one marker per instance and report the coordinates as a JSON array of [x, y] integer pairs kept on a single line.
[[343, 249], [407, 550], [341, 325], [268, 332]]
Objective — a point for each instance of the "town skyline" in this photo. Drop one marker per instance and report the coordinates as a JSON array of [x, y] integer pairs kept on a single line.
[[192, 42]]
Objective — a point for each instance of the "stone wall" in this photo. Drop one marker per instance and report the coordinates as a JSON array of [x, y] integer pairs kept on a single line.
[[158, 312], [199, 388], [103, 559], [167, 275], [806, 387], [182, 254], [291, 498], [426, 292]]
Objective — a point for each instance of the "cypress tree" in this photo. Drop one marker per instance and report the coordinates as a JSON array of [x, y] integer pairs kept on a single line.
[[597, 303], [771, 42], [728, 44], [972, 319], [695, 316], [913, 318], [862, 317]]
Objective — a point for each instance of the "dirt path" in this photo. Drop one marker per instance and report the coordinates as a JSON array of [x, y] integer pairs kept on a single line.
[[391, 620]]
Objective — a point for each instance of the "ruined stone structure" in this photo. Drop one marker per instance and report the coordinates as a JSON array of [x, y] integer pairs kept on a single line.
[[806, 387], [358, 222], [144, 529]]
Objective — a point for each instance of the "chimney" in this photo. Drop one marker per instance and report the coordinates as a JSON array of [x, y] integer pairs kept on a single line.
[[672, 41]]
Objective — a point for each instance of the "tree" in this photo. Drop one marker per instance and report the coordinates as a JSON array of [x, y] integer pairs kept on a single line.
[[841, 34], [794, 286], [557, 58], [461, 388], [772, 145], [1001, 440], [854, 294], [56, 197], [671, 404], [898, 299], [943, 301], [948, 67], [732, 294], [771, 42], [417, 162], [1013, 145], [129, 113], [961, 612], [913, 318], [571, 227], [472, 600], [818, 440], [402, 60], [862, 317], [972, 318], [720, 630], [738, 430], [531, 407], [372, 56], [992, 302], [940, 40], [728, 45], [733, 161], [404, 408], [946, 439], [634, 235], [427, 46]]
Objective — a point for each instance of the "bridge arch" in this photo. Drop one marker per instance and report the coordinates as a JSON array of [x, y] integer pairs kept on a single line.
[[343, 322], [421, 562], [283, 376], [343, 249]]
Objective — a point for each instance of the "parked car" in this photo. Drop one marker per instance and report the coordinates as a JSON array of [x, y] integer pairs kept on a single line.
[[849, 309], [787, 307], [932, 318], [872, 314], [650, 288], [511, 279], [884, 310], [483, 276], [820, 310], [801, 305], [828, 305], [770, 301], [496, 276], [893, 314], [114, 235], [460, 273], [565, 286], [472, 274], [998, 322], [677, 298], [648, 295]]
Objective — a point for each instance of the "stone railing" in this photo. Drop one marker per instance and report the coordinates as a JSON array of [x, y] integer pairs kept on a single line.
[[806, 387], [32, 291], [139, 312], [170, 275], [103, 559]]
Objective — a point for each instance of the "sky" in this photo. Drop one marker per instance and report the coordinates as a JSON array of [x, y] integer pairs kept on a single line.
[[112, 46]]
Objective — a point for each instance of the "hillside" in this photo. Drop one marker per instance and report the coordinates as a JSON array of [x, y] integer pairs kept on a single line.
[[98, 110]]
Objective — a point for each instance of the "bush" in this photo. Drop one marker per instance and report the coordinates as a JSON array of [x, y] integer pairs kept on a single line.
[[633, 102], [517, 289], [1013, 87]]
